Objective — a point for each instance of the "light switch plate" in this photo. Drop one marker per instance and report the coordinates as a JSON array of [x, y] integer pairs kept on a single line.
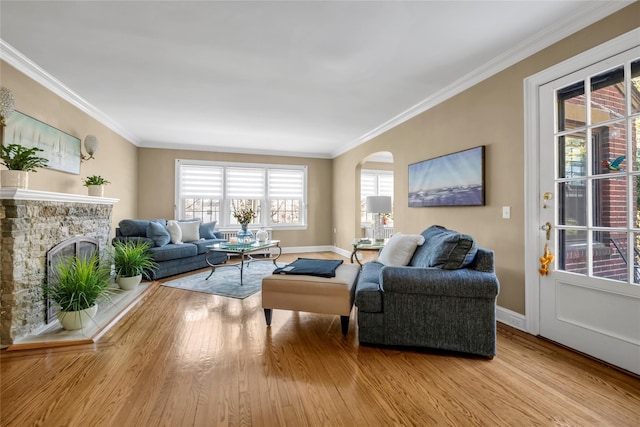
[[506, 212]]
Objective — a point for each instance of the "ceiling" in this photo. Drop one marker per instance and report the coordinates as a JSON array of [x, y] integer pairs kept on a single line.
[[294, 78]]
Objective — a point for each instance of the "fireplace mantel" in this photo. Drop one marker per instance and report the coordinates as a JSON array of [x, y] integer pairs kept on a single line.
[[48, 196]]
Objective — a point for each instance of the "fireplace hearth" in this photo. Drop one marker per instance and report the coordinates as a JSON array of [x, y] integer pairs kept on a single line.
[[32, 223]]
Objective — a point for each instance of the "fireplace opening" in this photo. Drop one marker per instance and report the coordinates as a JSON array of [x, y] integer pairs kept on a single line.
[[79, 246]]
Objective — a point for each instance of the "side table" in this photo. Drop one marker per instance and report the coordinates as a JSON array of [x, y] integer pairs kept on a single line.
[[365, 245]]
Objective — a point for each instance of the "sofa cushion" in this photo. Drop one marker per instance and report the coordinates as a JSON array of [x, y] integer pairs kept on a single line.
[[190, 230], [399, 249], [175, 232], [446, 249], [207, 230], [172, 251], [158, 233]]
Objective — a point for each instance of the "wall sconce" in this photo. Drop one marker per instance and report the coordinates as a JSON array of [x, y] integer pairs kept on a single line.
[[7, 106], [90, 146]]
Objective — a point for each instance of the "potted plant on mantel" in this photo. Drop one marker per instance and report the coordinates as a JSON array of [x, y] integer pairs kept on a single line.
[[95, 185], [77, 287], [19, 161], [131, 259]]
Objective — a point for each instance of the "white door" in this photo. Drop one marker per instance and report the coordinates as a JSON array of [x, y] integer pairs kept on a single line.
[[589, 180]]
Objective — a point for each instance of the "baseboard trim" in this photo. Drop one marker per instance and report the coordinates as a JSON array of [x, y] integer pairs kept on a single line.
[[301, 249], [511, 318]]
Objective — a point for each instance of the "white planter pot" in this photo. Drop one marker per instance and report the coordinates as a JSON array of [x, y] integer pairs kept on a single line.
[[72, 320], [14, 179], [96, 190], [129, 283]]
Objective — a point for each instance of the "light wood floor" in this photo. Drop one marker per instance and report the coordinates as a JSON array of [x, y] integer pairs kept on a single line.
[[182, 358]]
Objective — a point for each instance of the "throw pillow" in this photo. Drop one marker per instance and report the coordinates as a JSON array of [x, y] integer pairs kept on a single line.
[[190, 230], [445, 249], [175, 232], [207, 230], [399, 249], [133, 227], [158, 233]]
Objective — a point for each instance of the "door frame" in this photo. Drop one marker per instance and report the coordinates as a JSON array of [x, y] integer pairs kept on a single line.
[[532, 196]]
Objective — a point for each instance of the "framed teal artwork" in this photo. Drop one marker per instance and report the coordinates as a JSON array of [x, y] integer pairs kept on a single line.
[[61, 149]]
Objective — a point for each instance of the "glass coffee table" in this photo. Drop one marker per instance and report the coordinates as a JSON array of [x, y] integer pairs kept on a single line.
[[365, 245], [244, 250]]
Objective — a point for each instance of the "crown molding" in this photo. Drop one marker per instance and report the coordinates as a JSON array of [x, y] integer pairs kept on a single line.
[[590, 14], [234, 150], [16, 59]]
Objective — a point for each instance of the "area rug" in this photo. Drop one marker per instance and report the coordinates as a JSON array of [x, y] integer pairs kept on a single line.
[[225, 281]]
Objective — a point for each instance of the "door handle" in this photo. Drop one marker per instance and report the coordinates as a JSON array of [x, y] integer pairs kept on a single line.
[[547, 228]]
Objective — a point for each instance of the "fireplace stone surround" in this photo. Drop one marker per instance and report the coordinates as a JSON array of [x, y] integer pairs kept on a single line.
[[32, 223]]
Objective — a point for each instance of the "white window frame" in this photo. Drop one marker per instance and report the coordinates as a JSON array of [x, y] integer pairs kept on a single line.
[[264, 220], [377, 192]]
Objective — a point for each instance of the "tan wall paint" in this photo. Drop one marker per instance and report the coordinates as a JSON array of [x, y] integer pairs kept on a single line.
[[116, 159], [492, 114], [156, 184]]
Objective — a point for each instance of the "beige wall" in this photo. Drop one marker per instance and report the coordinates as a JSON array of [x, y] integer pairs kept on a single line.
[[492, 114], [116, 159], [156, 185]]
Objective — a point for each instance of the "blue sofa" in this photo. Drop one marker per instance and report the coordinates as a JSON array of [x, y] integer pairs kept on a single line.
[[445, 298], [171, 258]]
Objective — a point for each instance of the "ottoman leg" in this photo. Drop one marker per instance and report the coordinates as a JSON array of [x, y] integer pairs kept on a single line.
[[267, 315], [344, 322]]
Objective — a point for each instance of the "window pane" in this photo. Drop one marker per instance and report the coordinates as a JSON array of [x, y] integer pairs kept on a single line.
[[285, 211], [201, 181], [635, 199], [610, 256], [610, 202], [245, 183], [286, 183], [571, 107], [635, 142], [205, 209], [635, 87], [572, 152], [574, 203], [610, 148], [608, 96], [572, 255]]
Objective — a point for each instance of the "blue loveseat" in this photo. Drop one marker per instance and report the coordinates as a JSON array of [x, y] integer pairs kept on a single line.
[[172, 258], [444, 298]]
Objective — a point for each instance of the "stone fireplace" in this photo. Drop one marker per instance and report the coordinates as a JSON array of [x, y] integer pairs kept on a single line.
[[33, 222]]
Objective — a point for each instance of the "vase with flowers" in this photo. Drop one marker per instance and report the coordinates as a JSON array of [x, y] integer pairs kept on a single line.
[[244, 216]]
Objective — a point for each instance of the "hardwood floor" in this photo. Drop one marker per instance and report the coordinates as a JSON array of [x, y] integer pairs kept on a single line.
[[182, 358]]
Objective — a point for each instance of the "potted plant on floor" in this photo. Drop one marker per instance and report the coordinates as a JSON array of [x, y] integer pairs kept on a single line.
[[77, 287], [95, 185], [131, 260], [19, 161]]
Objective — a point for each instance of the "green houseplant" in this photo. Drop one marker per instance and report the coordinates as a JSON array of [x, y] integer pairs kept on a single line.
[[94, 180], [77, 287], [131, 260], [95, 185], [19, 161]]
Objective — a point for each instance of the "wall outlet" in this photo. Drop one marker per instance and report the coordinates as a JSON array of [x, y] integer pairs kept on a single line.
[[506, 212]]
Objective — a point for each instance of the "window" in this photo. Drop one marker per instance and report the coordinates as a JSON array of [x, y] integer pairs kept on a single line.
[[598, 173], [211, 191], [373, 183]]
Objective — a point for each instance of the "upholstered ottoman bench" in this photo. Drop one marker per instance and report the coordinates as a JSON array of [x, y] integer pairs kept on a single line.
[[324, 295]]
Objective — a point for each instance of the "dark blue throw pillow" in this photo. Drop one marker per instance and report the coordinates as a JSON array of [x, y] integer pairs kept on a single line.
[[158, 233]]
